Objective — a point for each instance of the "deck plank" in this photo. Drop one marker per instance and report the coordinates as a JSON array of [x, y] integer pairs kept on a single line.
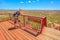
[[3, 35], [25, 34], [16, 36], [29, 36], [19, 34]]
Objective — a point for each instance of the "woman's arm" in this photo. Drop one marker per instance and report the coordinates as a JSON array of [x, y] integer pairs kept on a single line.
[[21, 13]]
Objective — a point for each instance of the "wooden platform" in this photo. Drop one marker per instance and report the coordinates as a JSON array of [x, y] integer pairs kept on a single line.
[[19, 34]]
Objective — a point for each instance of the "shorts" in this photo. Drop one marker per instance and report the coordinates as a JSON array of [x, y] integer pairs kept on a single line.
[[16, 19]]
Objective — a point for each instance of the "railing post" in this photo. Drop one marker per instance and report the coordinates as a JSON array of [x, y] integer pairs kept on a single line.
[[44, 23], [24, 20]]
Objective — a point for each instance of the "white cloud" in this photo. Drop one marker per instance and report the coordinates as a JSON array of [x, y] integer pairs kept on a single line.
[[21, 2], [29, 1]]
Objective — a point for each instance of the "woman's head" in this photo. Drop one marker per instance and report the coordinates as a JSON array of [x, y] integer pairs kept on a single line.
[[20, 10]]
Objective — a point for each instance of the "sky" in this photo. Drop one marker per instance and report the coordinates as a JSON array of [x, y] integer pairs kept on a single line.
[[30, 4]]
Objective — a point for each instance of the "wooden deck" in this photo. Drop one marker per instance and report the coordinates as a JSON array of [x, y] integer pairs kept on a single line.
[[19, 34]]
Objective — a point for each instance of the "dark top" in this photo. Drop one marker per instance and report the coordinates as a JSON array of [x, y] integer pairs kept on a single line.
[[16, 14]]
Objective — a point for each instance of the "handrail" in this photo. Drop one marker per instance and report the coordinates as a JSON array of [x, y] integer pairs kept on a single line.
[[43, 21]]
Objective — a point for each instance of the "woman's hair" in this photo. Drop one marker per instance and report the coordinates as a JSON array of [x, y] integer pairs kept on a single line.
[[20, 9]]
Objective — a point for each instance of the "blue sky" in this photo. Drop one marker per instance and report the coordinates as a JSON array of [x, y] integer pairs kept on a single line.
[[30, 4]]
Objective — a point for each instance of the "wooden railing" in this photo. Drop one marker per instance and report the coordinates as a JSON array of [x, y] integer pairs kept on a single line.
[[35, 19]]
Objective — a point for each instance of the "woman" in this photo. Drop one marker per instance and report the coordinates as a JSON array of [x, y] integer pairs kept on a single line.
[[16, 18]]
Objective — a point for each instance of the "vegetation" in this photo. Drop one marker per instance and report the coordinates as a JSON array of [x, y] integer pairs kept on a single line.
[[51, 17], [4, 17]]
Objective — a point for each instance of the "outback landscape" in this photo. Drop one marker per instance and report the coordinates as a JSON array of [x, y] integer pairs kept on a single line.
[[53, 16], [29, 20], [32, 30]]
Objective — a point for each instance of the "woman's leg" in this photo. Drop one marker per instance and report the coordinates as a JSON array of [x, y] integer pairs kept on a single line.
[[19, 22], [15, 21], [15, 26]]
